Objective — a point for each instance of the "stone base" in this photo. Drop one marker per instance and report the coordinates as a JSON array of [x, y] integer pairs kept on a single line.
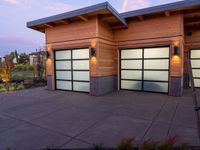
[[102, 85], [186, 81], [49, 82], [176, 86]]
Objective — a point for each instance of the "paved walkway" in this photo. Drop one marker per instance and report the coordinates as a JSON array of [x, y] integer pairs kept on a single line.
[[38, 118]]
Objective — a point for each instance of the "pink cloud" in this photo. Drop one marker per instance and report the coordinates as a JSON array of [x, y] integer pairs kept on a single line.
[[128, 5], [12, 1]]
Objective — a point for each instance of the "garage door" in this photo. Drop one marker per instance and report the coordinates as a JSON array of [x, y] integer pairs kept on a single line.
[[195, 60], [72, 70], [145, 69]]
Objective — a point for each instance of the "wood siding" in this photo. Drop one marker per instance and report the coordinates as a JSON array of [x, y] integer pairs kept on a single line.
[[75, 31], [157, 27], [152, 32]]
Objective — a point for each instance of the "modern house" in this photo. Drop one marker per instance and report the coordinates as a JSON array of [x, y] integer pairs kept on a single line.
[[98, 50]]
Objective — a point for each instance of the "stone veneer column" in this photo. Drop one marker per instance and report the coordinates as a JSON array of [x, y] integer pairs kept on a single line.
[[102, 85]]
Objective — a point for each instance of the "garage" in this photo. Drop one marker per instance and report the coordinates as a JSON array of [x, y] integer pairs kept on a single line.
[[195, 60], [72, 70], [145, 69]]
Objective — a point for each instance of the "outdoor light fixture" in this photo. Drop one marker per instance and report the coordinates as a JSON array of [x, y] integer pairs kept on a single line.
[[92, 51], [47, 54], [176, 50]]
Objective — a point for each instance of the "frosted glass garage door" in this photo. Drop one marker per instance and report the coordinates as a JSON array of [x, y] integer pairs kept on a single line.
[[72, 70], [145, 69], [195, 60]]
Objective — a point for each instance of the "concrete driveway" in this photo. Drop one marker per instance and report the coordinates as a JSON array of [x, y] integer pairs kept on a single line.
[[38, 118]]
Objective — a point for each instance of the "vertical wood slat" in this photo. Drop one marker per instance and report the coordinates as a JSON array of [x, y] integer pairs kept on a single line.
[[194, 95]]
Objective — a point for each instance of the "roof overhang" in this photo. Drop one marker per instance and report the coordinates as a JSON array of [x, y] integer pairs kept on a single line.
[[99, 9], [176, 6]]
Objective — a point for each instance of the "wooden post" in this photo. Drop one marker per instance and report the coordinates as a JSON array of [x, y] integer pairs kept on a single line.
[[194, 95]]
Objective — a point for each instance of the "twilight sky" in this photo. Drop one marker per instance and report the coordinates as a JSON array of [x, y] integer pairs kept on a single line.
[[15, 13]]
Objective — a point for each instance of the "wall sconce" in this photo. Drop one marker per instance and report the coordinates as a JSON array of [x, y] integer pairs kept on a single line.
[[47, 54], [92, 51], [176, 50]]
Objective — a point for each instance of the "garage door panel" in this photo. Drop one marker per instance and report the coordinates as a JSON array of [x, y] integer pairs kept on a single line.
[[60, 55], [63, 65], [195, 54], [195, 63], [156, 64], [64, 75], [131, 74], [156, 52], [131, 64], [197, 82], [64, 85], [72, 70], [145, 69], [81, 86], [196, 72], [156, 75], [81, 75], [80, 54], [81, 65], [131, 53], [131, 85], [156, 87]]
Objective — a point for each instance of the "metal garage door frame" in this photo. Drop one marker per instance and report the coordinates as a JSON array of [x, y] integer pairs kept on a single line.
[[72, 70], [142, 69], [194, 68]]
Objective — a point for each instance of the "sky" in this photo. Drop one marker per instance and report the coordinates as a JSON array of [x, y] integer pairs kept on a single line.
[[14, 35]]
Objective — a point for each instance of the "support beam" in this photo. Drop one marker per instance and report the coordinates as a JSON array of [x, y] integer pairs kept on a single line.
[[141, 18], [48, 25], [83, 18], [167, 13], [193, 23], [65, 22]]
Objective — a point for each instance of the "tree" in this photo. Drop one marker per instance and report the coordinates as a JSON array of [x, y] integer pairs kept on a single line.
[[5, 71], [23, 58]]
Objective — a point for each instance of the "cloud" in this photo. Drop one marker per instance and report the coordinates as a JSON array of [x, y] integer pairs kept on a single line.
[[128, 5], [12, 1]]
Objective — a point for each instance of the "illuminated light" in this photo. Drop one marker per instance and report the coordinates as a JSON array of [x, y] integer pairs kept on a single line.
[[48, 61], [93, 43], [48, 47], [93, 60], [176, 60]]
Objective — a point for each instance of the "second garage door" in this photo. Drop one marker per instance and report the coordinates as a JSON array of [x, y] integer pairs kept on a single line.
[[72, 70], [145, 69], [195, 60]]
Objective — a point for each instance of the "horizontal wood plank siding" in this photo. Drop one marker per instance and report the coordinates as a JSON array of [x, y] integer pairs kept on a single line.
[[158, 27], [75, 31]]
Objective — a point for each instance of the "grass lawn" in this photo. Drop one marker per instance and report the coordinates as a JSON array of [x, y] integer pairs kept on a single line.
[[22, 75]]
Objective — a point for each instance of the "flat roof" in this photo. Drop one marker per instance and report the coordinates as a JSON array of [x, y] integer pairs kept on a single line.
[[78, 12], [161, 8], [120, 17]]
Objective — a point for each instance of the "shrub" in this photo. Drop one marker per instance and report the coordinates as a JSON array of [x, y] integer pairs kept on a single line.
[[126, 144], [168, 144], [148, 145]]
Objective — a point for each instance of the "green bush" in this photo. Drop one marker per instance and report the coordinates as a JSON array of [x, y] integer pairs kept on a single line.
[[126, 144], [148, 145]]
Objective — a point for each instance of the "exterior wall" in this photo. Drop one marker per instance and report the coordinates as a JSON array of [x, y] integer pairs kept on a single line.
[[151, 32], [76, 35], [158, 31], [103, 79]]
